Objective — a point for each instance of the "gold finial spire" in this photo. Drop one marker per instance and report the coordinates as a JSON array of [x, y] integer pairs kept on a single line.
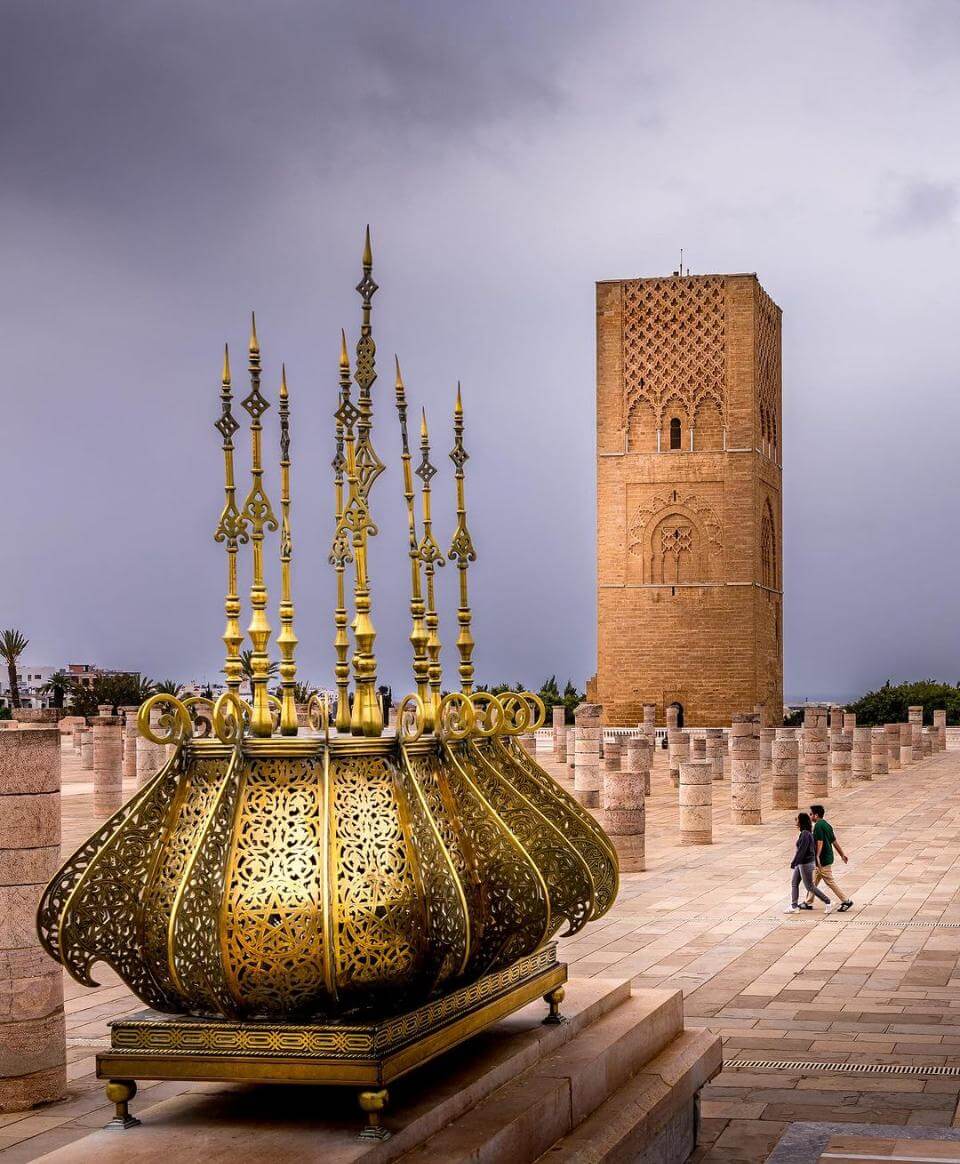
[[340, 552], [286, 639], [462, 552], [258, 514], [418, 633], [429, 554], [367, 717], [231, 530]]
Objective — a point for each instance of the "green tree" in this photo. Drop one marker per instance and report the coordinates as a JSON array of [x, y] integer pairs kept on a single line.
[[246, 655], [12, 646], [169, 687], [57, 687], [889, 703]]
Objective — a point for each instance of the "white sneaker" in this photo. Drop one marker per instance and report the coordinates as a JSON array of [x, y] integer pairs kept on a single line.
[[829, 908], [792, 909]]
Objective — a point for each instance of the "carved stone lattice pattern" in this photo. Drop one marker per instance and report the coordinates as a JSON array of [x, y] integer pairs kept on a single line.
[[673, 345], [768, 368], [768, 547], [676, 540]]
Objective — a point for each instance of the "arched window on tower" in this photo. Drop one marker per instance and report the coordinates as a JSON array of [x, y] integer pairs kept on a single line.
[[768, 549], [675, 434]]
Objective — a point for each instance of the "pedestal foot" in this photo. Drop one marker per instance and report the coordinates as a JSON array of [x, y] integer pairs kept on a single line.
[[120, 1092], [553, 1000], [373, 1103]]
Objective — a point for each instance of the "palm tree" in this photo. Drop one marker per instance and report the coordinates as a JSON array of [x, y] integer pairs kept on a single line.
[[245, 657], [12, 646], [169, 687], [56, 687]]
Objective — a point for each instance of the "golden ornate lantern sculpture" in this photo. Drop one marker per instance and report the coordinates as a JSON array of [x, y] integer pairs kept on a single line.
[[341, 905]]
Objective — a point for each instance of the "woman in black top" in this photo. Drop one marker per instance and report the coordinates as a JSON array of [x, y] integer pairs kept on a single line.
[[804, 860]]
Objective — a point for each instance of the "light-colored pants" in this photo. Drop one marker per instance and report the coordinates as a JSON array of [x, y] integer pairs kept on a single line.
[[825, 873], [806, 872]]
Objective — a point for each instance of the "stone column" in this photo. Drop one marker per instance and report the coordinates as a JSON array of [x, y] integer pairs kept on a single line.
[[696, 802], [906, 744], [915, 719], [815, 752], [76, 735], [571, 749], [107, 764], [892, 732], [926, 741], [528, 741], [841, 754], [586, 772], [32, 1035], [767, 736], [878, 750], [612, 750], [673, 717], [745, 770], [786, 769], [150, 757], [637, 759], [130, 742], [862, 755], [714, 746], [650, 723], [86, 749], [559, 714], [940, 723], [698, 747], [678, 750], [836, 720], [624, 814], [850, 721]]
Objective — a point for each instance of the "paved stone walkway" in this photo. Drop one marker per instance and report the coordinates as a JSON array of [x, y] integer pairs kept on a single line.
[[878, 985]]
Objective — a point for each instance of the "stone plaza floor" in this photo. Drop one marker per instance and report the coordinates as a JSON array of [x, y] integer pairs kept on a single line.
[[812, 1009]]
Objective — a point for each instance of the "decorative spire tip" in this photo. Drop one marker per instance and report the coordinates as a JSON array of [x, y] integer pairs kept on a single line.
[[344, 357], [225, 377], [367, 249], [254, 342]]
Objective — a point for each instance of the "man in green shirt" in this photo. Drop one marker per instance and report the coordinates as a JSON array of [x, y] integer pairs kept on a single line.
[[825, 840]]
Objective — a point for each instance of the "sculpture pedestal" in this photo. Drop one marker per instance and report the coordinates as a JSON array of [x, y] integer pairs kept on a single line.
[[619, 1080], [367, 1055]]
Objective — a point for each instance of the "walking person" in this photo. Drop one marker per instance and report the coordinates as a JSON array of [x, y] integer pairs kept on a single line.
[[803, 864], [825, 840]]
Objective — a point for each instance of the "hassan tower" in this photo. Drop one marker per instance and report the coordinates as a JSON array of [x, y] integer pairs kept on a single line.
[[689, 541]]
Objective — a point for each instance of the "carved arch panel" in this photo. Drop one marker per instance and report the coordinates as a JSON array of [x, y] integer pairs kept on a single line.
[[674, 539]]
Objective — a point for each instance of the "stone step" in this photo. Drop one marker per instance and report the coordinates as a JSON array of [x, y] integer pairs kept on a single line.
[[527, 1116], [652, 1118]]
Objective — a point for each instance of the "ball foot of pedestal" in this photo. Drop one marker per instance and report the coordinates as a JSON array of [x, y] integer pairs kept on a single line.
[[373, 1103], [553, 1000], [120, 1092]]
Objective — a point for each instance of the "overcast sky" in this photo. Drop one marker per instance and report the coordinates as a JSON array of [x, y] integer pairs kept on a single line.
[[166, 166]]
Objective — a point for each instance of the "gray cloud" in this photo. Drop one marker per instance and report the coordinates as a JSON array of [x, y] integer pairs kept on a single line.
[[922, 205], [168, 166]]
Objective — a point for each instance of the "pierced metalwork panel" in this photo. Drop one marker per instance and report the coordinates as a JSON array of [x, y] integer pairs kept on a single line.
[[566, 874], [590, 841], [442, 892], [101, 918], [379, 919], [196, 793], [195, 922], [515, 902], [272, 938]]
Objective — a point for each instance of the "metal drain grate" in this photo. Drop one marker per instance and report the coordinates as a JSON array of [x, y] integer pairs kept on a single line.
[[895, 925], [855, 1068]]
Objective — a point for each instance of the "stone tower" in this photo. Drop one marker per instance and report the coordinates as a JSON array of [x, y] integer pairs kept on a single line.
[[689, 546]]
